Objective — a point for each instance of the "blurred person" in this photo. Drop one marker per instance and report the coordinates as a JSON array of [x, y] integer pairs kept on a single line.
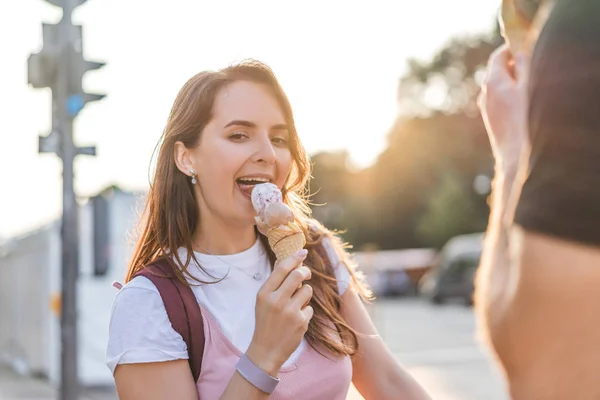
[[227, 130], [538, 288]]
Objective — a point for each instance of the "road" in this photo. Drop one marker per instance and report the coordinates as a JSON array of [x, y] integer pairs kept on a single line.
[[436, 344]]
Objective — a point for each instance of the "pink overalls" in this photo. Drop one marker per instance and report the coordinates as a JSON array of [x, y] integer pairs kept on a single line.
[[311, 377]]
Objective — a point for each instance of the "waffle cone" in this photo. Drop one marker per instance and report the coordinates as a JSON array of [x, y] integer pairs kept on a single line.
[[285, 242]]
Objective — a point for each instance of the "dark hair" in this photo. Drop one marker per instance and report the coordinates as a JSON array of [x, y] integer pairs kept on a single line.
[[561, 193], [171, 213], [565, 70]]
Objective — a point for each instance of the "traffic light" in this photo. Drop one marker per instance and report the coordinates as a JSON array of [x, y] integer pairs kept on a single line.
[[76, 97], [60, 64], [42, 66]]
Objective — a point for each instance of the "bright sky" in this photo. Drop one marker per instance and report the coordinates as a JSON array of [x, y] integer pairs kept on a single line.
[[339, 62]]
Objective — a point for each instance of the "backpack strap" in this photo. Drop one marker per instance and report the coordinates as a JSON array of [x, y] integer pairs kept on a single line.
[[182, 308]]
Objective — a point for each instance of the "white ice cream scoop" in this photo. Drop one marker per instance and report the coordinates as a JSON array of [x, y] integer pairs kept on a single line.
[[264, 194]]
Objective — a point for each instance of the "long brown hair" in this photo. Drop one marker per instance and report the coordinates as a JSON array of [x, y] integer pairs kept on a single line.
[[171, 213]]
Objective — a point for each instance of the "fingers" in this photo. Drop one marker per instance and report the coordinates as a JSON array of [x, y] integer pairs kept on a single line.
[[301, 298], [307, 313], [498, 65], [282, 269], [497, 71], [293, 281], [504, 74], [522, 66]]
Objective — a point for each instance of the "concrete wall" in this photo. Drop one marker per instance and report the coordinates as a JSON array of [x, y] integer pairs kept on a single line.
[[27, 279]]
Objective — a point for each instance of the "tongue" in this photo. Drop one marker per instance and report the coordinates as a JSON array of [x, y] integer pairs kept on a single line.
[[246, 187]]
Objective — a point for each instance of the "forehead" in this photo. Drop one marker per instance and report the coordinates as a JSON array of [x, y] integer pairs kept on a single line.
[[249, 101]]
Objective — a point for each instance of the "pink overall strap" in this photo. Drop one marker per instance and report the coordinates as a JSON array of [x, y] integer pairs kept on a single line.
[[182, 308]]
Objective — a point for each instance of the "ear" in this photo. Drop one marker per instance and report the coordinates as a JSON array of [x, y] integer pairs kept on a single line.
[[183, 158]]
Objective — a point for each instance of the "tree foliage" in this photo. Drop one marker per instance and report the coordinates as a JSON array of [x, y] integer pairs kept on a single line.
[[420, 191]]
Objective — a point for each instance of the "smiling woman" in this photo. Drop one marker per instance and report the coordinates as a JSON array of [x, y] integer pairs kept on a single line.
[[246, 140], [266, 332]]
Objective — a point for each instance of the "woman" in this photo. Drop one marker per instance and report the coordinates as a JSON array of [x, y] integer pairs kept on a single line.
[[537, 291], [227, 131]]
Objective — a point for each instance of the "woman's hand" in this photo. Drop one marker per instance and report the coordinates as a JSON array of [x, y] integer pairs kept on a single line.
[[282, 314], [504, 106]]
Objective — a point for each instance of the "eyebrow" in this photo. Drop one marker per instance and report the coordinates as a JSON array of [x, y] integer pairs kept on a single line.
[[248, 124]]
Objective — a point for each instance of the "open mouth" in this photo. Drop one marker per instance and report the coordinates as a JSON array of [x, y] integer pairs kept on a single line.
[[247, 183]]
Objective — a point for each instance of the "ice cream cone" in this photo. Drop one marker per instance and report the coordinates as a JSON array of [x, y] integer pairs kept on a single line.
[[275, 220], [284, 242]]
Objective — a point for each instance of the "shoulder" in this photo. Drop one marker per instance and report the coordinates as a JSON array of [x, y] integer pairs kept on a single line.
[[545, 255], [139, 329], [138, 295], [548, 277]]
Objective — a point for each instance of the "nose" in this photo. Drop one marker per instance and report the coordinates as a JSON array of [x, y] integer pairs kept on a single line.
[[265, 153]]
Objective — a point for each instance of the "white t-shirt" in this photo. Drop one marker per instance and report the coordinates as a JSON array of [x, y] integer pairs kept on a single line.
[[140, 330]]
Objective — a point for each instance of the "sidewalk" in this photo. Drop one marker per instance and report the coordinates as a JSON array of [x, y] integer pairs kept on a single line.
[[14, 387]]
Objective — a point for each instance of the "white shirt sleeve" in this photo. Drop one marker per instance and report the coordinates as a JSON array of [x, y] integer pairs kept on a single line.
[[341, 271], [140, 330]]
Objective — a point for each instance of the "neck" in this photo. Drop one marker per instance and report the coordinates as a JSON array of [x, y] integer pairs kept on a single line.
[[218, 238]]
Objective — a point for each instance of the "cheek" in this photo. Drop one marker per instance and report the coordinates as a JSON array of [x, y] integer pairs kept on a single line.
[[284, 165], [219, 164]]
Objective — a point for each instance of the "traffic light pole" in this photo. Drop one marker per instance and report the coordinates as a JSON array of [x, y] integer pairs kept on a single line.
[[61, 66], [69, 386], [69, 383]]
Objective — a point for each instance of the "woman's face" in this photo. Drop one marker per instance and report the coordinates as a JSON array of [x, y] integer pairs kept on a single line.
[[245, 143]]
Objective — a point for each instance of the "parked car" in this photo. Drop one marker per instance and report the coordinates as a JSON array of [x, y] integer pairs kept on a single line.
[[452, 276], [395, 272]]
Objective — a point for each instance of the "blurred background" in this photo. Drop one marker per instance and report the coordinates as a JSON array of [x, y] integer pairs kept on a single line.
[[384, 98]]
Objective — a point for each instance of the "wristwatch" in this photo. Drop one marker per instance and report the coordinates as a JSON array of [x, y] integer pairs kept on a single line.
[[256, 376]]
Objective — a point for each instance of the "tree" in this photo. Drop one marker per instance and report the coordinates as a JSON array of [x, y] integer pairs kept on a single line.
[[450, 211], [450, 82], [434, 149]]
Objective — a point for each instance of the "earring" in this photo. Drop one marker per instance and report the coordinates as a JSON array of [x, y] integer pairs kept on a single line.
[[193, 173]]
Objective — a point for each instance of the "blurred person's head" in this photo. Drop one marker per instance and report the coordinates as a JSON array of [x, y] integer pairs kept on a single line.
[[564, 115], [565, 70]]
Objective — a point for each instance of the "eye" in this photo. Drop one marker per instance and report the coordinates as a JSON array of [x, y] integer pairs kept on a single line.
[[238, 136], [281, 141]]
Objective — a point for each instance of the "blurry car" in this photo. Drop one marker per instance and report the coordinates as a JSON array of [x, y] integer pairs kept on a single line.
[[393, 273], [452, 277]]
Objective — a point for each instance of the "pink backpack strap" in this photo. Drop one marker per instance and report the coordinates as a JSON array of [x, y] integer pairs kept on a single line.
[[182, 308]]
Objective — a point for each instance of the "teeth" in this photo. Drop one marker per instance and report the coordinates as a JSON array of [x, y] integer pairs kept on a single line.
[[254, 179]]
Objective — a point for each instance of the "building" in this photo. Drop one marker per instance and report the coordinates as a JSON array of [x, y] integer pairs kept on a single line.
[[30, 277]]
